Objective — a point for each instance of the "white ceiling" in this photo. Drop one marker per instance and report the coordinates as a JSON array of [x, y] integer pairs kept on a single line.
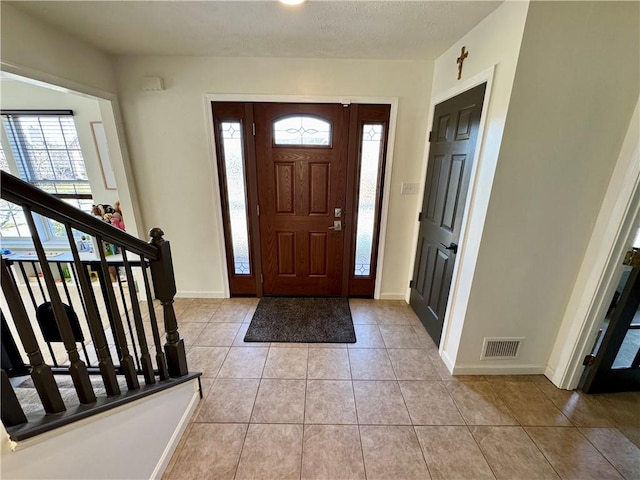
[[317, 29]]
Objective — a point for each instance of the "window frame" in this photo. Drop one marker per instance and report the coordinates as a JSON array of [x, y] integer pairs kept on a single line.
[[44, 226], [275, 144]]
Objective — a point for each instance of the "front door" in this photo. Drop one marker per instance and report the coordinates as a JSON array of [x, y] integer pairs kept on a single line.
[[453, 141], [301, 157]]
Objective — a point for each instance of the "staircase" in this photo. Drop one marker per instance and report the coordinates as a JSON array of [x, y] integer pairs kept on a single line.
[[82, 333]]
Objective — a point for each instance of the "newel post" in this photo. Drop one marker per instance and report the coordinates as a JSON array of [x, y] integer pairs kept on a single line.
[[164, 285]]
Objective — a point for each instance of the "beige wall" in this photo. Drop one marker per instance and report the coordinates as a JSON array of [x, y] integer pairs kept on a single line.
[[134, 441], [170, 146], [48, 50], [574, 92], [33, 49], [493, 44]]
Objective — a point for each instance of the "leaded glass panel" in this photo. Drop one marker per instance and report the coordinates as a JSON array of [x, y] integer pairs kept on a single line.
[[371, 148], [302, 130], [236, 195]]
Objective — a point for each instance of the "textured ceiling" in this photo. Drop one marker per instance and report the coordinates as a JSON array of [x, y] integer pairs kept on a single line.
[[318, 29]]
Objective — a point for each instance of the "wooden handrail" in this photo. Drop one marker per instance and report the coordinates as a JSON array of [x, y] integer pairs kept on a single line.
[[21, 193]]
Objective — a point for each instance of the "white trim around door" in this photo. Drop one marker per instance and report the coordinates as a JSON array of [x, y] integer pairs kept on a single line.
[[600, 269], [475, 210], [393, 101]]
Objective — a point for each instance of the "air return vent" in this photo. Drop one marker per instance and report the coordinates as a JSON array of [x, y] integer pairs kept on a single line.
[[496, 348]]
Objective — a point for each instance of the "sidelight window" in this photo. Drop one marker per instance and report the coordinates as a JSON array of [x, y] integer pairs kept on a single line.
[[231, 133], [370, 159]]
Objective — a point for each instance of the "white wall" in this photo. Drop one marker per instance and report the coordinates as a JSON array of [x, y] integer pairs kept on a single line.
[[613, 235], [493, 42], [32, 44], [171, 152], [573, 97], [134, 441], [20, 95]]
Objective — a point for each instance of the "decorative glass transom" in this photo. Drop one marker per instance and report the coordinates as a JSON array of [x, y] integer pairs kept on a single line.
[[302, 130], [371, 148], [236, 191]]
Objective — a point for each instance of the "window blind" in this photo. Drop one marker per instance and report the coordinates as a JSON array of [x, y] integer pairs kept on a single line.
[[47, 151]]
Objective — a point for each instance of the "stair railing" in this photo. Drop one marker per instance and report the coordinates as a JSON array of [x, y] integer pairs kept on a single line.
[[155, 256]]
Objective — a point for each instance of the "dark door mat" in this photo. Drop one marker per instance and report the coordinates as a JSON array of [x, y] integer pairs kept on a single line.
[[302, 319]]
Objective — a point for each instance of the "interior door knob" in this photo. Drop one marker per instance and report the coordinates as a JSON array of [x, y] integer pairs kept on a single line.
[[452, 246]]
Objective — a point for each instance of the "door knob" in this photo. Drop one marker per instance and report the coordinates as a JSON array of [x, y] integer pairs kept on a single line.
[[452, 246], [337, 226]]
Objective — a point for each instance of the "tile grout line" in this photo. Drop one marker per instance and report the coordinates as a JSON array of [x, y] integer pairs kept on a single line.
[[246, 434], [304, 413], [353, 392], [598, 450], [540, 450], [495, 475]]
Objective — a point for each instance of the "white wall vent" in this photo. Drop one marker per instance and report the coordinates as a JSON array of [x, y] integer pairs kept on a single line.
[[497, 348]]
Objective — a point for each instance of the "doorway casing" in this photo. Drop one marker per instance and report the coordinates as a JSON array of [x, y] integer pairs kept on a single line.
[[244, 98], [475, 210]]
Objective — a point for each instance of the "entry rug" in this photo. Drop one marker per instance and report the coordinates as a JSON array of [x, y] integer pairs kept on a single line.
[[302, 320]]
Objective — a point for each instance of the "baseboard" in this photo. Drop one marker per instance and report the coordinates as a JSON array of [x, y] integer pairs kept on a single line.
[[555, 377], [196, 294], [177, 434], [499, 369], [447, 361], [392, 296]]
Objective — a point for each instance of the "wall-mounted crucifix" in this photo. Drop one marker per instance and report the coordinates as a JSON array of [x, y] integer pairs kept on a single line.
[[463, 54]]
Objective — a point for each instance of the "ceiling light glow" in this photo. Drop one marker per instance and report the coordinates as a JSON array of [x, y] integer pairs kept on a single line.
[[292, 2]]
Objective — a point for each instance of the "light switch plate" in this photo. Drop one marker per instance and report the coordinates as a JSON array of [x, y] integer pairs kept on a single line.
[[409, 188]]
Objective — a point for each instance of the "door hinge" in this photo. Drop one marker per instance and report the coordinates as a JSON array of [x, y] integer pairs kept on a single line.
[[254, 129], [420, 217], [430, 137], [410, 283], [258, 209], [588, 360], [261, 278]]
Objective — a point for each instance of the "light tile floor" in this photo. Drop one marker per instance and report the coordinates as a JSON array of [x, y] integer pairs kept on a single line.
[[385, 407]]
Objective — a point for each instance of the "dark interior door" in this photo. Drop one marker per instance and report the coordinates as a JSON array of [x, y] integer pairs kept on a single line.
[[301, 193], [453, 141], [616, 364]]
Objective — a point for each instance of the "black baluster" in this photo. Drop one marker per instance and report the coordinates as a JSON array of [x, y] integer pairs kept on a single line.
[[105, 364], [77, 368], [11, 411], [126, 361], [145, 357], [66, 291], [164, 284], [39, 280], [43, 380], [28, 285], [160, 360], [128, 319], [35, 305]]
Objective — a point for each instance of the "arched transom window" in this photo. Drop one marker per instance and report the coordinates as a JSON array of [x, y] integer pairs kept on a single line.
[[302, 130]]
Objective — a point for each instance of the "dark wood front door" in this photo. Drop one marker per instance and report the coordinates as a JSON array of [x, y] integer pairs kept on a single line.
[[301, 195], [453, 142]]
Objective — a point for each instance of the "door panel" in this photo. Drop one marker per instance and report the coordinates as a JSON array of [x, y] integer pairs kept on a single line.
[[616, 365], [456, 123], [299, 188]]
